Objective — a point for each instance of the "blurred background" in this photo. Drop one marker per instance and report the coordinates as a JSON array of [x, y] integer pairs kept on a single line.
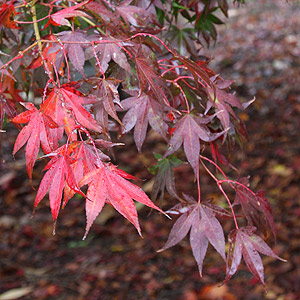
[[259, 47]]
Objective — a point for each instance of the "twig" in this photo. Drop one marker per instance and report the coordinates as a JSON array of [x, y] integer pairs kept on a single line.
[[39, 42]]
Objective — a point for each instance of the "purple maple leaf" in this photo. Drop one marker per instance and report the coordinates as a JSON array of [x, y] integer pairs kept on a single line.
[[204, 227], [189, 130], [243, 242], [141, 111]]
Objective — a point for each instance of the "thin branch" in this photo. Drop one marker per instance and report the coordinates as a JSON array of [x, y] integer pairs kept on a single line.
[[39, 42], [198, 183], [219, 182], [20, 55]]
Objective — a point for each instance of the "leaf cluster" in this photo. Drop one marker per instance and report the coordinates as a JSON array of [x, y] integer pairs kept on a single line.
[[103, 69]]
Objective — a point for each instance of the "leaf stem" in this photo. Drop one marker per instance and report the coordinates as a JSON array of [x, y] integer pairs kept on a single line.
[[66, 59], [219, 183], [20, 55], [238, 183], [45, 90], [213, 163], [229, 203], [97, 59], [184, 96], [198, 183]]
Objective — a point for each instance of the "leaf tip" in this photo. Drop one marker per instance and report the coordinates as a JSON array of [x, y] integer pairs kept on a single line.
[[140, 233], [200, 273], [282, 259], [54, 227], [33, 213], [167, 216], [85, 235]]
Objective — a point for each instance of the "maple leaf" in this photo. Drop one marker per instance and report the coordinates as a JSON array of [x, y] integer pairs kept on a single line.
[[204, 227], [7, 12], [253, 205], [223, 103], [110, 50], [106, 184], [99, 8], [189, 130], [60, 17], [217, 155], [49, 53], [75, 104], [54, 107], [132, 14], [102, 117], [183, 39], [164, 178], [8, 88], [83, 161], [243, 242], [148, 77], [65, 103], [223, 4], [6, 107], [107, 92], [74, 50], [141, 111], [36, 133], [8, 98], [59, 173]]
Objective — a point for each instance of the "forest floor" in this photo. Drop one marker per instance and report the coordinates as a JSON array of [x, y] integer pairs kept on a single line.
[[259, 48]]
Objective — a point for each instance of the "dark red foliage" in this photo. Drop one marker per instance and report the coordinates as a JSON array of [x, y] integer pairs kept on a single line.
[[201, 221], [7, 13], [243, 242], [105, 68]]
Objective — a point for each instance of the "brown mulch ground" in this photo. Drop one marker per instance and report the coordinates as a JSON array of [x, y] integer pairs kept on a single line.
[[260, 49]]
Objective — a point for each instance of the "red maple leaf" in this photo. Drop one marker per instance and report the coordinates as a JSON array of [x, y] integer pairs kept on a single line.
[[73, 48], [65, 103], [223, 102], [109, 51], [7, 12], [107, 185], [148, 76], [84, 160], [141, 111], [106, 92], [60, 17], [201, 221], [243, 242], [59, 173], [253, 206], [49, 53], [75, 104], [36, 133], [6, 107], [189, 130], [98, 7], [132, 14], [9, 96]]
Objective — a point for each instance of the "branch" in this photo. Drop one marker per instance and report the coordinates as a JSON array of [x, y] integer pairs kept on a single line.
[[39, 42]]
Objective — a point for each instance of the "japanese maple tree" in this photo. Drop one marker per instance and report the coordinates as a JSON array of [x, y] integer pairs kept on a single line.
[[107, 68]]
